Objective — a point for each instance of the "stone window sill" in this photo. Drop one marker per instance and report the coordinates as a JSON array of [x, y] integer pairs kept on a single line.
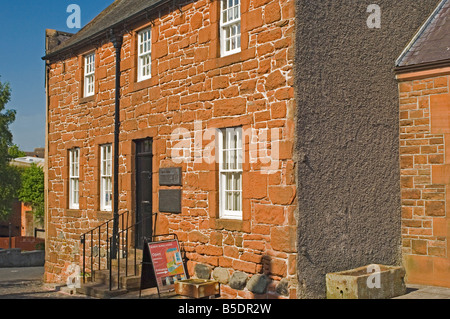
[[232, 225], [87, 99], [104, 215]]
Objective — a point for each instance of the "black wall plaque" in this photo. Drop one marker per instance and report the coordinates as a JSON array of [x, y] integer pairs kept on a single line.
[[170, 176], [170, 201]]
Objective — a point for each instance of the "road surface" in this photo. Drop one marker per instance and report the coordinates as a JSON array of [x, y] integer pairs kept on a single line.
[[26, 283]]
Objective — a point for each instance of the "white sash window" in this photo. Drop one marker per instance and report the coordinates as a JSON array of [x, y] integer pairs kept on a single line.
[[74, 178], [230, 27], [230, 173], [105, 177], [144, 54], [89, 74]]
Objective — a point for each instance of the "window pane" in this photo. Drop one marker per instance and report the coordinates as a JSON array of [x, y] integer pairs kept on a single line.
[[229, 201], [237, 182], [233, 159], [75, 191], [108, 167], [239, 159], [236, 200]]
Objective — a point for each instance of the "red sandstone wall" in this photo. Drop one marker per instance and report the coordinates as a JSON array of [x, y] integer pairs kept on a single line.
[[424, 149]]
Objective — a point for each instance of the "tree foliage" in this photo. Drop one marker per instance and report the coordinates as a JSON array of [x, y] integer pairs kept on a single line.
[[15, 152], [9, 176], [32, 190]]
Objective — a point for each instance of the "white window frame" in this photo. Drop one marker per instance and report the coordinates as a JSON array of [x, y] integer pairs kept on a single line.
[[229, 25], [144, 49], [89, 74], [230, 173], [74, 178], [106, 177]]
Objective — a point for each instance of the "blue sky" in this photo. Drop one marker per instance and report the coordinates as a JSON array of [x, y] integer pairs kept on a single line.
[[22, 43]]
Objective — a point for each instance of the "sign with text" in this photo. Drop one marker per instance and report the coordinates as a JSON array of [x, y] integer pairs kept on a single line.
[[167, 263], [170, 176]]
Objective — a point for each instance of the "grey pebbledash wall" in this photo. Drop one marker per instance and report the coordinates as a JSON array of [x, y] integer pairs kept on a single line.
[[348, 143]]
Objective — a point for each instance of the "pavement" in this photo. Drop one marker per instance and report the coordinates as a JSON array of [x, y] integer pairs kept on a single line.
[[425, 292], [26, 283]]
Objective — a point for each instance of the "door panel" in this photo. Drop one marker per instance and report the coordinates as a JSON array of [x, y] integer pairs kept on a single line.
[[144, 205]]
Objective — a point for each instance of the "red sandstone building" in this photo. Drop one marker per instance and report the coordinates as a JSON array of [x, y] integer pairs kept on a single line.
[[193, 119], [204, 88], [423, 74]]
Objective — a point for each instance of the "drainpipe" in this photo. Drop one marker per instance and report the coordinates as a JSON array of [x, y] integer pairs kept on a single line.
[[47, 106], [117, 42]]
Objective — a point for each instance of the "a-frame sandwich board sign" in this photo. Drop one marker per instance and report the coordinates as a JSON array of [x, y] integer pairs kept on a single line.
[[162, 265]]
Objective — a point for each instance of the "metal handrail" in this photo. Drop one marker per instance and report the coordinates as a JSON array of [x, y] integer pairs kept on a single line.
[[121, 240], [124, 234], [91, 233]]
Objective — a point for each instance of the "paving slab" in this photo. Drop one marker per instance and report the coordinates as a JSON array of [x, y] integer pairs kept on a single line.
[[425, 292], [27, 283]]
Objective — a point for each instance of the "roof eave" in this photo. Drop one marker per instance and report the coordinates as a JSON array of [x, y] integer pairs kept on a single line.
[[422, 66], [104, 33]]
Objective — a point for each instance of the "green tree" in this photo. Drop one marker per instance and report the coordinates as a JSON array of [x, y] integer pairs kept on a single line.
[[32, 190], [15, 152], [9, 175]]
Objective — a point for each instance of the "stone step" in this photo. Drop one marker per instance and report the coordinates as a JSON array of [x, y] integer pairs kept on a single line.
[[139, 253], [130, 282], [124, 264], [98, 285], [100, 290]]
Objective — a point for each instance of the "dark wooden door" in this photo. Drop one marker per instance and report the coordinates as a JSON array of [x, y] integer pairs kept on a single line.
[[144, 205]]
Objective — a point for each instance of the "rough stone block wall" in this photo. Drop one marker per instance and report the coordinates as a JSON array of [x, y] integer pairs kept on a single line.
[[195, 89], [424, 158]]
